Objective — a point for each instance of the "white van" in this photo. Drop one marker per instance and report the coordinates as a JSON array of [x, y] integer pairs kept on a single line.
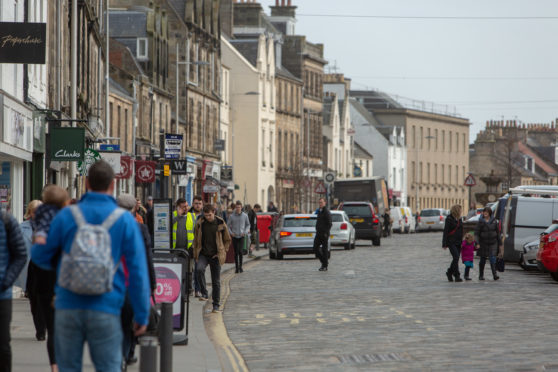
[[410, 222], [526, 216], [397, 214]]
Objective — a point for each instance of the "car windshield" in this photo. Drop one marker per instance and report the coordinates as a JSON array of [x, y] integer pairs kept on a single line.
[[429, 213], [300, 222], [358, 210], [336, 217], [551, 228]]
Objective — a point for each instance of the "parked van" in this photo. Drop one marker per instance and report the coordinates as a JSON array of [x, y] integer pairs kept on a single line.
[[397, 214], [410, 222], [528, 213]]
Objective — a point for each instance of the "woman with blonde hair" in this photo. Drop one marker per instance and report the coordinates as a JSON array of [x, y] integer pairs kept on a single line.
[[27, 232], [453, 235]]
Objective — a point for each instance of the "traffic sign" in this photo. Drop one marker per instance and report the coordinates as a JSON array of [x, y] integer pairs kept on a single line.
[[470, 180], [329, 177], [320, 188]]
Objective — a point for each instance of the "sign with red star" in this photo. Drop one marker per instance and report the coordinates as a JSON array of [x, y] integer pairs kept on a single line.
[[145, 171]]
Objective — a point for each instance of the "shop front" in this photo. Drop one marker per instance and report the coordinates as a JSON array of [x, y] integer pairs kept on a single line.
[[16, 147]]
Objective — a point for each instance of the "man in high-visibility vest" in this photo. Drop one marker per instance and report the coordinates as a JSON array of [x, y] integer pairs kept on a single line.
[[182, 226]]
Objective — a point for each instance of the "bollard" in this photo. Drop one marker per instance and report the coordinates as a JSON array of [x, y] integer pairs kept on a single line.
[[148, 354], [165, 337]]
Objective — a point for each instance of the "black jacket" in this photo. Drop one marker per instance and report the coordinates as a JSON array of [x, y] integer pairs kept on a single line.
[[253, 218], [323, 225], [149, 255], [453, 232], [487, 235]]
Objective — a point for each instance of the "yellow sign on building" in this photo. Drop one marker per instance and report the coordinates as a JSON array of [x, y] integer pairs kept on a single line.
[[166, 170]]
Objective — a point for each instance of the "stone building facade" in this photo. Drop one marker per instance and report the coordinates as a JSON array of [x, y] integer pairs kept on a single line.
[[437, 151]]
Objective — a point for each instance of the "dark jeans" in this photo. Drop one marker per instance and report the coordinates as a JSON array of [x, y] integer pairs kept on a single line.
[[215, 268], [455, 250], [320, 247], [5, 349], [47, 313], [127, 319], [237, 245], [38, 317]]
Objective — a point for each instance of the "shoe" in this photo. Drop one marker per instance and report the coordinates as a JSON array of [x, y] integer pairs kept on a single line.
[[216, 309], [450, 277], [481, 277], [323, 268], [132, 360], [40, 337], [496, 277], [236, 271], [467, 278], [198, 294], [458, 280], [203, 298], [241, 270]]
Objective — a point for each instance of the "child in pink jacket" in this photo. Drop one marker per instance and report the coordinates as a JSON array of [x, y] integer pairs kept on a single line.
[[468, 253]]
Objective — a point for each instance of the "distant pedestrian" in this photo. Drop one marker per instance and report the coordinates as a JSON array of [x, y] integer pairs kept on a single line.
[[212, 241], [12, 260], [27, 231], [197, 211], [239, 228], [271, 207], [323, 227], [43, 281], [489, 242], [254, 231], [150, 218], [139, 212], [468, 248], [89, 310], [453, 234]]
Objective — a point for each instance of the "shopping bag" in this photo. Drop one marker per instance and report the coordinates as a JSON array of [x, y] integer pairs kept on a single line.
[[245, 244], [500, 265]]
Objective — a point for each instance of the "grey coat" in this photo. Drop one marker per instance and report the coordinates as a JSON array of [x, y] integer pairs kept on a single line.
[[487, 235]]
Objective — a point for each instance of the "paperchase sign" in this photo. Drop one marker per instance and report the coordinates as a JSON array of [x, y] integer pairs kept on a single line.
[[22, 42], [67, 144]]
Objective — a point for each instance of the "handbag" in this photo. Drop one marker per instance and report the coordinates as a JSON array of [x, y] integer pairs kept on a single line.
[[500, 265]]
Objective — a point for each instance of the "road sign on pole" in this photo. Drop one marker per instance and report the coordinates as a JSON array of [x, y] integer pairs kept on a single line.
[[320, 188], [470, 181]]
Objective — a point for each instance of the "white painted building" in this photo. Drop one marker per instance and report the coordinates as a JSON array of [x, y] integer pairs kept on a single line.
[[252, 105], [387, 145]]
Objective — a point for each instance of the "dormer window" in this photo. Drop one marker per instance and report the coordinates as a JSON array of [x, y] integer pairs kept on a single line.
[[141, 48]]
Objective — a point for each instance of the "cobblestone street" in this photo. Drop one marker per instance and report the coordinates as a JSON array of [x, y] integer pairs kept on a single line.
[[390, 308]]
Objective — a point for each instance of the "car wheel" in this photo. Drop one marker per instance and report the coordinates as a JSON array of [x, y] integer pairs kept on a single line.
[[554, 276], [347, 246], [271, 254], [376, 241], [522, 262], [279, 256], [353, 245]]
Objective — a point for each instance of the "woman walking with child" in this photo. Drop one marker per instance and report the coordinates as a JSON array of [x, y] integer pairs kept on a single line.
[[453, 234]]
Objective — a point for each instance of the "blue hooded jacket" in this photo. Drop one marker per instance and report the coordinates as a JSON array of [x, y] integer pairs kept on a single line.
[[126, 241]]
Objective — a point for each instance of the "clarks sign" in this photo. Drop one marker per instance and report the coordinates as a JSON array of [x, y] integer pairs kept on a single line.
[[22, 42], [67, 144]]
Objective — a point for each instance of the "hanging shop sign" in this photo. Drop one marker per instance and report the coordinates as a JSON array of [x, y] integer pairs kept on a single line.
[[173, 145], [113, 158], [179, 166], [89, 158], [22, 42], [126, 167], [145, 171], [67, 144]]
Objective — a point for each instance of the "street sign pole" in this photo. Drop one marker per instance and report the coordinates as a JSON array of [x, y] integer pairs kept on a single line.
[[470, 182]]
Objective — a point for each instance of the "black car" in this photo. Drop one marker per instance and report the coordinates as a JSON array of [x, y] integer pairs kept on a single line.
[[367, 225]]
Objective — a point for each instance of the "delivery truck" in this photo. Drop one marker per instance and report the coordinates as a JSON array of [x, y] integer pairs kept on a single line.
[[373, 190]]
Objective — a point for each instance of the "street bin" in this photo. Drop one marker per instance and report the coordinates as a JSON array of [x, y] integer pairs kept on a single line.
[[264, 222]]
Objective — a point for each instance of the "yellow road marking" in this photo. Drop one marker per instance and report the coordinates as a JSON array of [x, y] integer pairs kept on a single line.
[[294, 321], [319, 315], [408, 316], [419, 321], [379, 301], [259, 316], [430, 329], [296, 315], [321, 320], [282, 315], [361, 318], [346, 320]]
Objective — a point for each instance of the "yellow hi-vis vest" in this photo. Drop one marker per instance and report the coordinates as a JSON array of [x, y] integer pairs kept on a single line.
[[190, 222]]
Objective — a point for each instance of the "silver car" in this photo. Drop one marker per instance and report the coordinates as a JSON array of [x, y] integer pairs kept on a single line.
[[528, 258], [342, 231], [432, 219], [293, 234]]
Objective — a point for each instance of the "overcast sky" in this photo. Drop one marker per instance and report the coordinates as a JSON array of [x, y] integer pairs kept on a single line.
[[486, 68]]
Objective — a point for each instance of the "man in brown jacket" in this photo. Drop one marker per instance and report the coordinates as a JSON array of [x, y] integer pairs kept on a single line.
[[211, 243]]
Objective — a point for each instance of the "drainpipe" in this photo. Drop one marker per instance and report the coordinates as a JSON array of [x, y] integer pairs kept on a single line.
[[73, 90]]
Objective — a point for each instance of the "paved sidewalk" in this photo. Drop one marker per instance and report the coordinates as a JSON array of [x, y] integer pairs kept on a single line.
[[30, 355]]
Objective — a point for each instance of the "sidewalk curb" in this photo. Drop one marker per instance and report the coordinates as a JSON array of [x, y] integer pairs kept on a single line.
[[229, 356]]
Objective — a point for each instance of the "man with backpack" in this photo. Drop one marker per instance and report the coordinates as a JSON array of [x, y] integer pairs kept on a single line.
[[86, 243], [13, 256]]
